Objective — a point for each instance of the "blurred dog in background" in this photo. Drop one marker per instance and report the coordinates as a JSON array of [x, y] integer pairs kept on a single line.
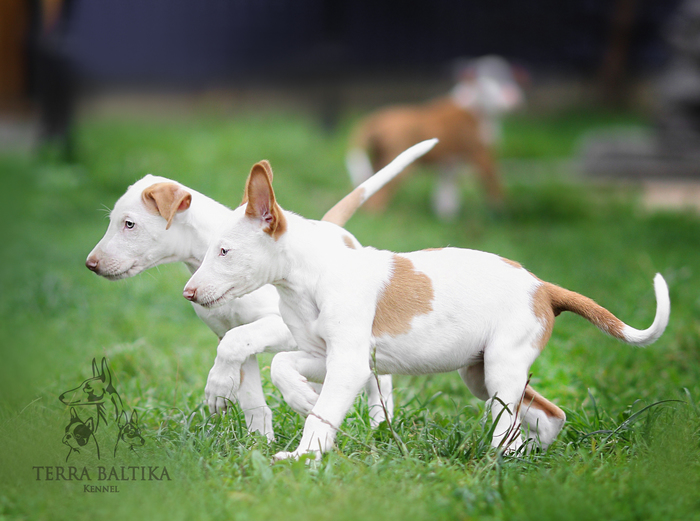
[[466, 122]]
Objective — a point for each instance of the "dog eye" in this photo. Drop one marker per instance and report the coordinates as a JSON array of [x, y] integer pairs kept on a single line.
[[129, 225], [223, 252]]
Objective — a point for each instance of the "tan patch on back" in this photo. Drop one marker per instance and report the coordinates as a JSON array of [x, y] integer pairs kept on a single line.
[[433, 249], [512, 263], [542, 308], [532, 399], [407, 294], [348, 242], [345, 208]]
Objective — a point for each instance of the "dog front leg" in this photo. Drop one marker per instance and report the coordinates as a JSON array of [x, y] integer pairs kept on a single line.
[[380, 399], [347, 373], [446, 194], [258, 416], [297, 375], [235, 349]]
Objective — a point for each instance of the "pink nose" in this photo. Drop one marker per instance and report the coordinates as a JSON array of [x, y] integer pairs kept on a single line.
[[91, 263], [189, 293]]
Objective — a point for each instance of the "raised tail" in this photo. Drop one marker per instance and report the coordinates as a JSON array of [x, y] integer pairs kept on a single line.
[[565, 300], [348, 205]]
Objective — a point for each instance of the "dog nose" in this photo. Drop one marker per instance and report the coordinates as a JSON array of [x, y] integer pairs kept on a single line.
[[189, 293], [91, 263]]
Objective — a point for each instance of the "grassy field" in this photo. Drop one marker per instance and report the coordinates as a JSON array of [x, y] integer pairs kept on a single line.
[[631, 447]]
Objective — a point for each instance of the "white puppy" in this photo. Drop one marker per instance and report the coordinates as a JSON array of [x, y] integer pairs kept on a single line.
[[159, 221], [414, 313]]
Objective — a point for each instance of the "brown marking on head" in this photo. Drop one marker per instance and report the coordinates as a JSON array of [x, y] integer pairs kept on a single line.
[[407, 294], [433, 249], [166, 199], [533, 399], [260, 200], [348, 242], [512, 263], [346, 207], [542, 308]]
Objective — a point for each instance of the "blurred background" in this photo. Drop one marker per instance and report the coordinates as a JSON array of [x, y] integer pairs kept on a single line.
[[64, 61]]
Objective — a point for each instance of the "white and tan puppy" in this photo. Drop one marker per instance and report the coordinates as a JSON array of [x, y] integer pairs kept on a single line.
[[467, 123], [414, 313], [158, 221]]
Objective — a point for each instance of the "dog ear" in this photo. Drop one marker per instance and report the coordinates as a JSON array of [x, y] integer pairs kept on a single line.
[[106, 373], [95, 371], [73, 414], [260, 200], [134, 417], [166, 199], [265, 164]]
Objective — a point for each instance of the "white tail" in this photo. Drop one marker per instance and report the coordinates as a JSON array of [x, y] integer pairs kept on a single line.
[[347, 206], [663, 310]]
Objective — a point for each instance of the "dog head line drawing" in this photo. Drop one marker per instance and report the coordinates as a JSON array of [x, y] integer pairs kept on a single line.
[[129, 432], [78, 434], [97, 391]]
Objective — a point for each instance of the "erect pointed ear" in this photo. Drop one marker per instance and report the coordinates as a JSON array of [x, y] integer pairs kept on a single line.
[[106, 373], [95, 371], [260, 200], [166, 199], [265, 164], [73, 414]]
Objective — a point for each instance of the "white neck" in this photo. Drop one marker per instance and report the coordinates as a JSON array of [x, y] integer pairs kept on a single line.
[[302, 254], [197, 228]]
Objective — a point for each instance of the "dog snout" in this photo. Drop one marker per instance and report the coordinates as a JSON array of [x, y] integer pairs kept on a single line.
[[91, 263], [189, 293]]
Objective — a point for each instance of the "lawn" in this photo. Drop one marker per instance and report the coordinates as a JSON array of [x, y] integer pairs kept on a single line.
[[631, 447]]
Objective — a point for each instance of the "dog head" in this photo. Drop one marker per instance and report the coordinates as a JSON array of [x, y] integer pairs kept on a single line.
[[78, 432], [489, 84], [93, 391], [243, 258], [136, 238], [129, 431]]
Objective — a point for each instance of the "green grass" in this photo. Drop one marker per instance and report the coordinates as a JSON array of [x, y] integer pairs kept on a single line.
[[630, 449]]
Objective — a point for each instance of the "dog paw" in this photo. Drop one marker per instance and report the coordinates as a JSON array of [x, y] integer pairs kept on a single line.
[[221, 389], [296, 455], [302, 401], [259, 421]]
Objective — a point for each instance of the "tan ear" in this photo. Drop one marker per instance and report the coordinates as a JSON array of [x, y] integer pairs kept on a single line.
[[265, 164], [260, 200], [166, 199]]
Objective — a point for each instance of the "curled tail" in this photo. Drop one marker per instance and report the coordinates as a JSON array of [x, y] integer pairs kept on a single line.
[[565, 300], [347, 206]]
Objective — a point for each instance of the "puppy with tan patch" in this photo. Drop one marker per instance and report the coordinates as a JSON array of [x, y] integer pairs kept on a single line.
[[466, 122], [352, 310], [158, 221]]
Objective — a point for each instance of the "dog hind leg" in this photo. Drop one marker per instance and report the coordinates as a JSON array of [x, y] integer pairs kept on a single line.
[[541, 419]]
